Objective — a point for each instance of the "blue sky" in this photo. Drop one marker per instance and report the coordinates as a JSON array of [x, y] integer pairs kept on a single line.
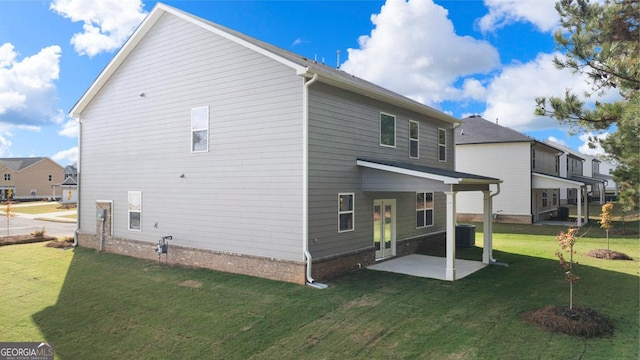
[[490, 57]]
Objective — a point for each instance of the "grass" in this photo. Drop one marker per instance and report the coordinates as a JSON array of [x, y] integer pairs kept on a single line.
[[108, 306], [37, 209]]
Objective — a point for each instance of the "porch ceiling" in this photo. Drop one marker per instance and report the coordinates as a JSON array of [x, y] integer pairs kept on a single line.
[[378, 175], [544, 181]]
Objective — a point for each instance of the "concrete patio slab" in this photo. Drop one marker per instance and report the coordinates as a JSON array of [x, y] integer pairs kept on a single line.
[[432, 267]]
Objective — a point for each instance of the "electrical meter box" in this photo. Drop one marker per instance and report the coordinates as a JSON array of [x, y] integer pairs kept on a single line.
[[101, 214]]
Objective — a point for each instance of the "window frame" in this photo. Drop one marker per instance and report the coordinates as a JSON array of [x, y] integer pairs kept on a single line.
[[195, 128], [351, 212], [130, 211], [7, 177], [425, 210], [382, 114], [416, 140], [442, 145]]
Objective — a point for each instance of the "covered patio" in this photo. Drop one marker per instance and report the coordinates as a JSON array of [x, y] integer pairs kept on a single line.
[[390, 176], [426, 266]]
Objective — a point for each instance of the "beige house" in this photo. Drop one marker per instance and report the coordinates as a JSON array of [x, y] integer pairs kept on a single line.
[[29, 178]]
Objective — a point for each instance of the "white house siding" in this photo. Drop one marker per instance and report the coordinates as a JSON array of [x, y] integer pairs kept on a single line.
[[343, 127], [509, 162], [545, 161], [244, 194]]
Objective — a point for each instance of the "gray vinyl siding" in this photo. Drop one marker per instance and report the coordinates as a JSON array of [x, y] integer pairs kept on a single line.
[[545, 161], [242, 196], [343, 127]]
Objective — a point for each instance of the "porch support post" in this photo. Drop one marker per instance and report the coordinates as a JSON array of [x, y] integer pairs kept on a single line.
[[602, 190], [487, 246], [579, 221], [451, 236], [585, 205]]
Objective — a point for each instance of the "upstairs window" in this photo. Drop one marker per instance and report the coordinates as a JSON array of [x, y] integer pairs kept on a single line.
[[533, 158], [414, 142], [345, 212], [387, 130], [50, 177], [424, 209], [134, 209], [200, 129], [442, 145], [7, 177]]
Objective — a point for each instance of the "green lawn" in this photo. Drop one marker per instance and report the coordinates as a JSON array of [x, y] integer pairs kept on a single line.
[[106, 306], [41, 208]]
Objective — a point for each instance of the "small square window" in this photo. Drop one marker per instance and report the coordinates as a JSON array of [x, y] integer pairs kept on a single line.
[[345, 212], [7, 177]]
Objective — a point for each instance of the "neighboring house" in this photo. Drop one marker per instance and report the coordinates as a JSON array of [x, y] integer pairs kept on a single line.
[[584, 168], [259, 161], [29, 178], [69, 186], [530, 171], [606, 167]]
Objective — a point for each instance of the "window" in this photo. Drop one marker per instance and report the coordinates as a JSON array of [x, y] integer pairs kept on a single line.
[[544, 199], [345, 212], [200, 129], [135, 210], [424, 209], [7, 177], [387, 130], [414, 142], [555, 198], [442, 145], [50, 177], [557, 165]]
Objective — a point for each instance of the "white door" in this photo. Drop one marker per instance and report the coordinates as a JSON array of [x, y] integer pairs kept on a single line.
[[384, 228]]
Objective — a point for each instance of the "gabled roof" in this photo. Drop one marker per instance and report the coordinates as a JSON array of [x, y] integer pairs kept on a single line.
[[303, 66], [476, 130], [69, 181], [19, 164]]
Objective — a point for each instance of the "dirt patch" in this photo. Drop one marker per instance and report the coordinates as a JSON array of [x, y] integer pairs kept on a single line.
[[191, 284], [608, 255], [61, 244], [583, 322], [24, 239]]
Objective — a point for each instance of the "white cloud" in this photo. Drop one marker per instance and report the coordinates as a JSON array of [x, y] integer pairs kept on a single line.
[[511, 94], [541, 13], [588, 150], [69, 156], [69, 129], [5, 145], [28, 94], [106, 23], [414, 50], [558, 141]]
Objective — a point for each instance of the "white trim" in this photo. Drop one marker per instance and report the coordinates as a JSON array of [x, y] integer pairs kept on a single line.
[[445, 144], [352, 212], [129, 211], [432, 208], [380, 130], [417, 140], [398, 170], [196, 110]]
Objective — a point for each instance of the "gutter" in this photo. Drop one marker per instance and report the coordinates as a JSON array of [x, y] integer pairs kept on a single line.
[[305, 183], [76, 233], [491, 259]]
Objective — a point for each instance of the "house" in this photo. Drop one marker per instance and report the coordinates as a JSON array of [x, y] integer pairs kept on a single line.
[[585, 168], [259, 161], [532, 174], [29, 178], [69, 186]]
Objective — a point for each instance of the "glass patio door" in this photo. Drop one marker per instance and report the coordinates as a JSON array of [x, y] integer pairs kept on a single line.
[[384, 228]]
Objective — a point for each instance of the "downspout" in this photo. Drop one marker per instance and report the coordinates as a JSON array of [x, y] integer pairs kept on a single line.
[[76, 233], [305, 182], [491, 259]]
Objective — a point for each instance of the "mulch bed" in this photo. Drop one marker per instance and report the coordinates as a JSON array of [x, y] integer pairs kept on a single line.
[[578, 321], [61, 244], [608, 255], [24, 239]]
